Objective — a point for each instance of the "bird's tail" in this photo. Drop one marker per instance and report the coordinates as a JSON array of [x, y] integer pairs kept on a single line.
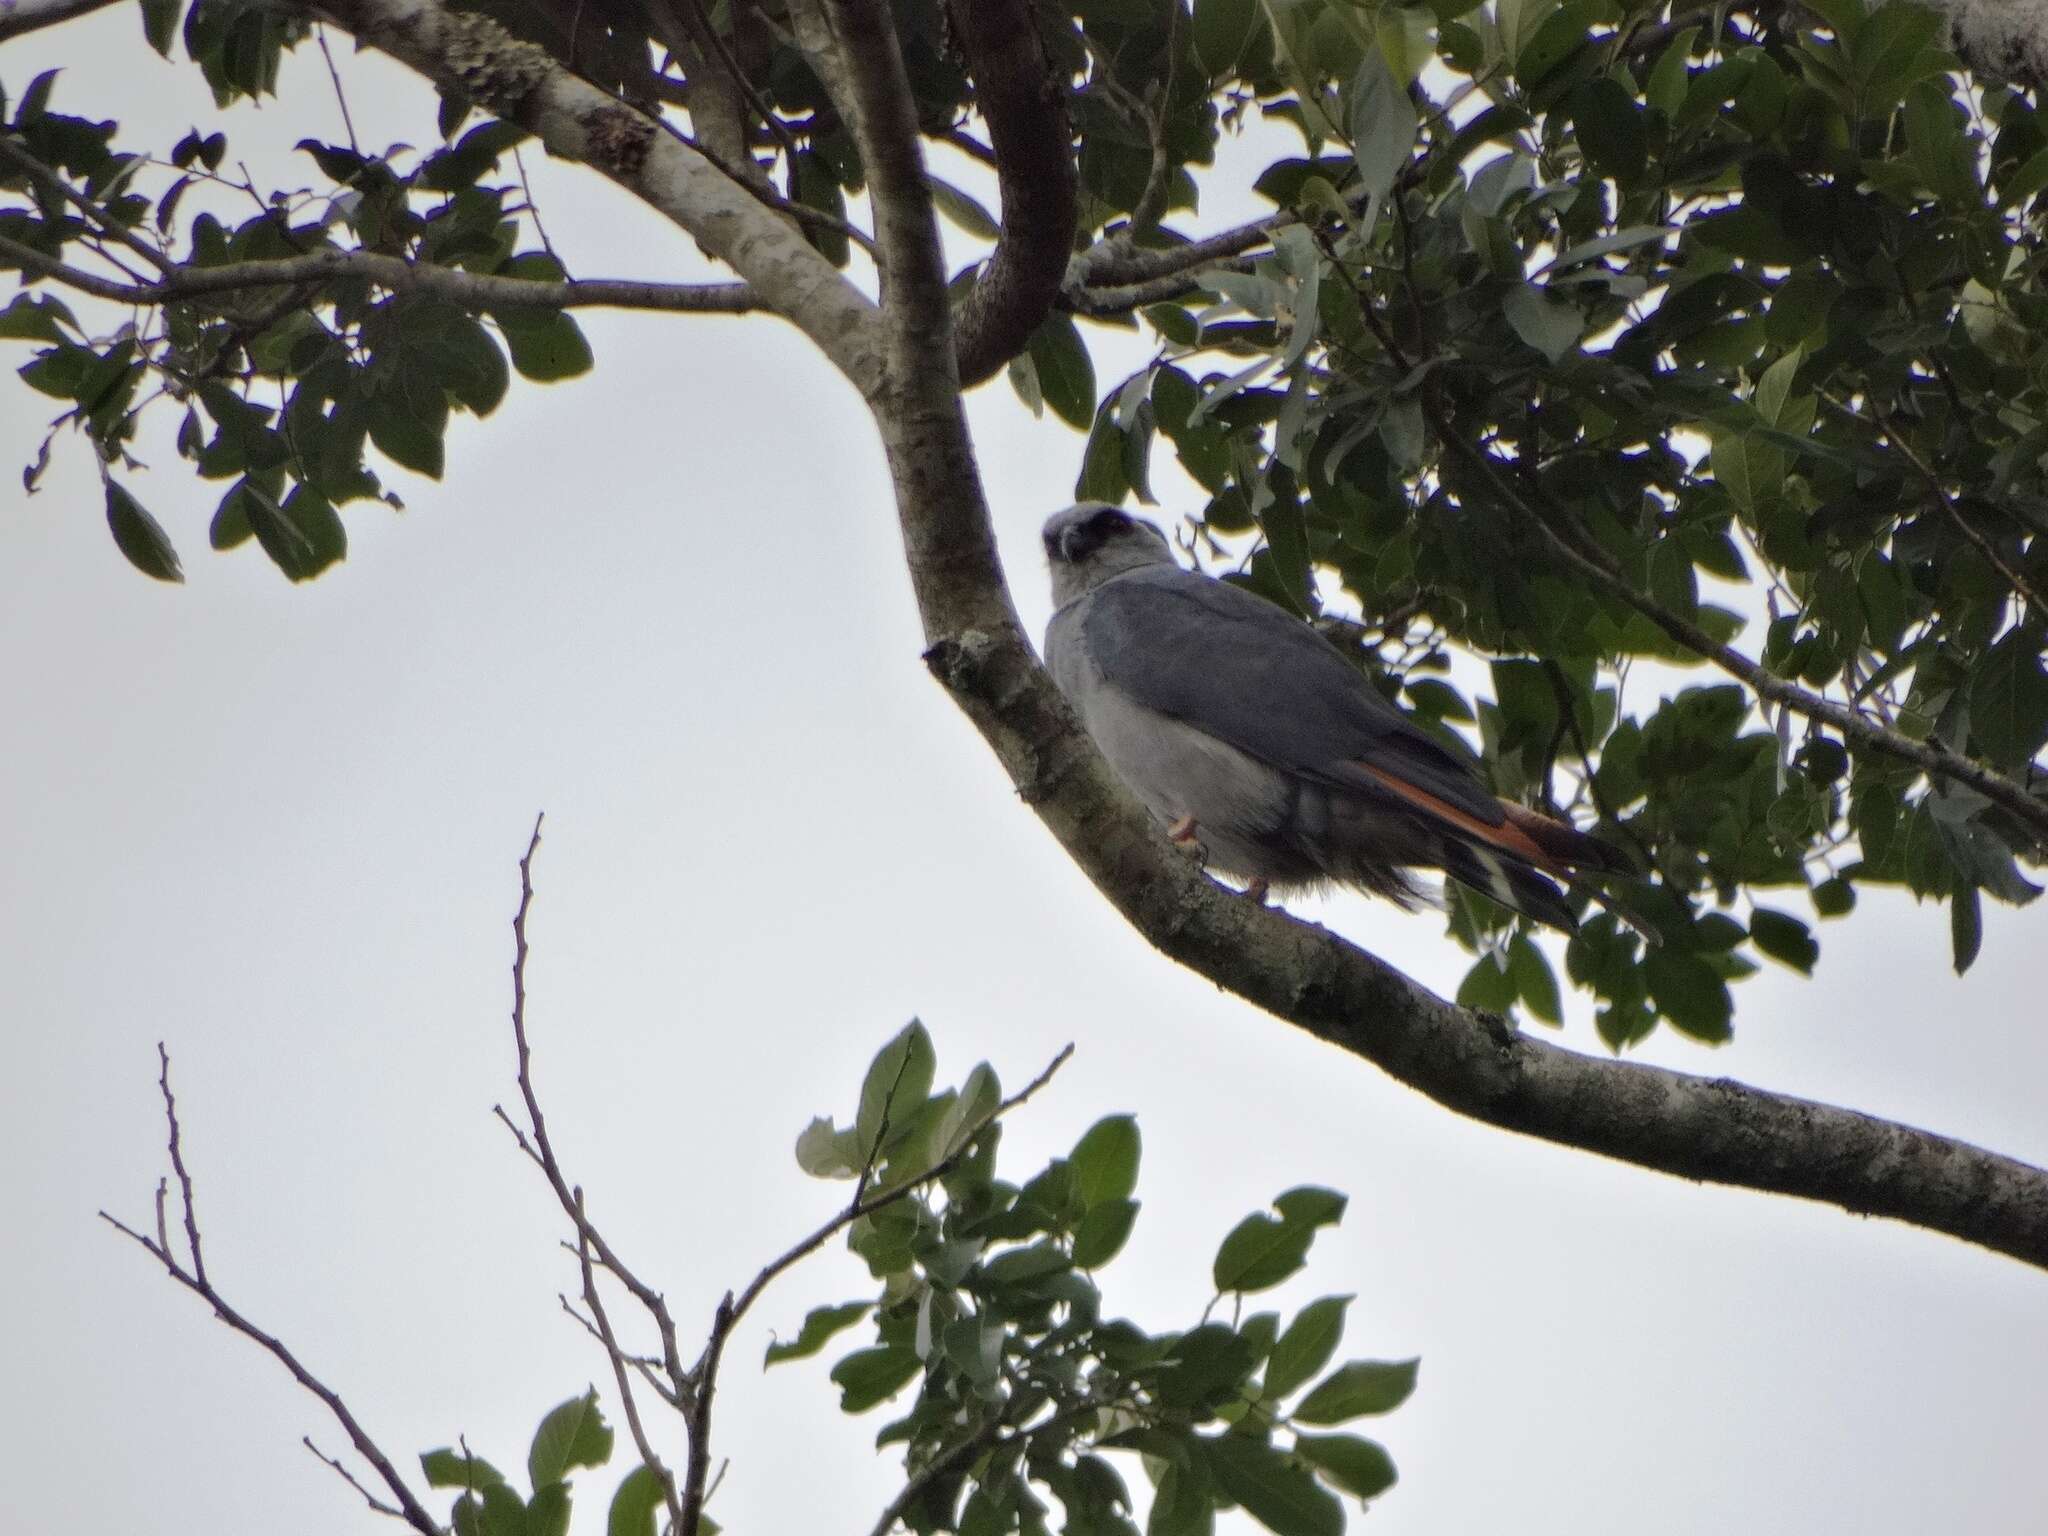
[[1507, 880]]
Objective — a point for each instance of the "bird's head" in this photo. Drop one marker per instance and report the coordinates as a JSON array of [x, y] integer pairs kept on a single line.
[[1093, 541]]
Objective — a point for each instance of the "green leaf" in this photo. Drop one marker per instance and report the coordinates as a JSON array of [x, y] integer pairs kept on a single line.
[[140, 537], [826, 1152], [2009, 699], [1533, 980], [32, 317], [1105, 1160], [1357, 1465], [1307, 1345], [458, 1469], [1689, 993], [1181, 1506], [1551, 325], [1784, 938], [1221, 28], [1383, 124], [1611, 132], [1834, 898], [160, 23], [1311, 1206], [870, 1376], [1208, 1364], [1361, 1387], [1102, 1232], [60, 371], [1180, 327], [898, 1082], [1487, 987], [545, 344], [819, 1325], [547, 1513], [1965, 926], [572, 1435], [1259, 1252], [402, 436], [504, 1512], [1066, 376], [1274, 1491], [302, 535], [962, 209], [634, 1505], [36, 99]]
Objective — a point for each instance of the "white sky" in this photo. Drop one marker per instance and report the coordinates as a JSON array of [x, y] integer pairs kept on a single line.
[[277, 827]]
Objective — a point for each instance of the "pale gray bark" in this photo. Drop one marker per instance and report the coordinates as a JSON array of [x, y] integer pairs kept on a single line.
[[522, 84]]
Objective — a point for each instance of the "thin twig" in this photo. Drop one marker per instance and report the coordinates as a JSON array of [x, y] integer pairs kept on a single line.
[[349, 1477], [618, 1359], [646, 1365], [47, 178], [1970, 530], [163, 1082], [532, 207], [194, 1279], [939, 1466], [471, 290], [541, 1149], [340, 96]]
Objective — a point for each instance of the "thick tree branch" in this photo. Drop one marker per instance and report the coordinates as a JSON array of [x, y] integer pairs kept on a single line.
[[1025, 108], [1698, 1128], [21, 16], [470, 290], [518, 81]]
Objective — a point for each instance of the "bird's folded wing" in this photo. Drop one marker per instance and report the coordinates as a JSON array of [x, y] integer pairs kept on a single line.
[[1232, 664]]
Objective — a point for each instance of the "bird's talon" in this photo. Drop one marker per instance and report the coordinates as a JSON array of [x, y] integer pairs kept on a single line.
[[1183, 834]]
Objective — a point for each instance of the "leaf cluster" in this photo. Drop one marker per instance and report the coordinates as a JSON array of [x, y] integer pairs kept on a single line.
[[1023, 1392], [1744, 308], [278, 392]]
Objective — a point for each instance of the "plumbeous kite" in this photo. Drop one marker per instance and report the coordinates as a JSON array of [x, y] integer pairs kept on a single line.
[[1246, 733]]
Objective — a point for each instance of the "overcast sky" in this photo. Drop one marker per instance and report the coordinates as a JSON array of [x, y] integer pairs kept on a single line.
[[276, 827]]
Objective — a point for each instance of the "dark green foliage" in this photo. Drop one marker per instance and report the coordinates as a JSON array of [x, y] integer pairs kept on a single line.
[[283, 388], [1745, 308], [1023, 1389], [1750, 313]]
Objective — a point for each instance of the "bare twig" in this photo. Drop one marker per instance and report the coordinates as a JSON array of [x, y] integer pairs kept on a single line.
[[163, 1081], [192, 1276], [350, 1478], [340, 95], [646, 1365], [618, 1358], [471, 290], [542, 1150]]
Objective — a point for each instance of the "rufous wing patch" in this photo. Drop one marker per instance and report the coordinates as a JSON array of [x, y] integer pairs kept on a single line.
[[1511, 837]]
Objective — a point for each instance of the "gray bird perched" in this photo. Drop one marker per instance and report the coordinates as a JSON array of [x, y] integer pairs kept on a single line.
[[1244, 731]]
